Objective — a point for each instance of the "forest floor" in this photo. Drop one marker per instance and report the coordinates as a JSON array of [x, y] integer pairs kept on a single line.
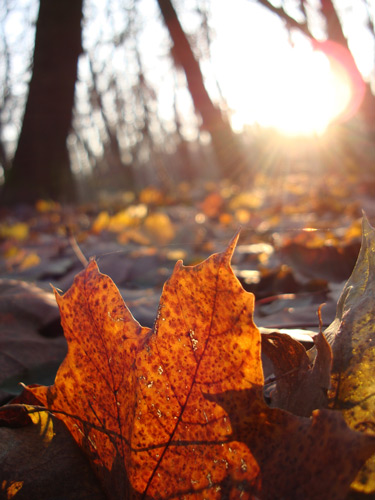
[[299, 241]]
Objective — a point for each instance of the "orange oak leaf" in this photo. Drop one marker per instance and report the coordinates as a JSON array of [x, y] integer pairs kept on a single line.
[[178, 411]]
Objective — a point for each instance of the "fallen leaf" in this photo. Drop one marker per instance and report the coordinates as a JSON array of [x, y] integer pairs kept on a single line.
[[146, 408], [301, 386], [122, 220], [242, 216], [151, 196], [327, 262], [293, 310], [18, 231], [178, 411], [30, 260], [134, 235], [299, 458], [212, 205], [352, 338], [246, 199], [159, 227], [42, 461], [101, 222], [26, 314], [45, 206]]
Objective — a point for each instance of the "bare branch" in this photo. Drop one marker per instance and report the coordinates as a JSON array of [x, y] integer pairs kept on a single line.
[[289, 21]]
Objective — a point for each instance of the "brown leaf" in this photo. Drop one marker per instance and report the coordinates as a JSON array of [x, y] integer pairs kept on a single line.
[[41, 460], [26, 313], [299, 458], [327, 262], [177, 411], [301, 386], [291, 364]]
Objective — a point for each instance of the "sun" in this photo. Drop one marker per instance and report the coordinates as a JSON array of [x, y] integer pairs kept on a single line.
[[299, 93]]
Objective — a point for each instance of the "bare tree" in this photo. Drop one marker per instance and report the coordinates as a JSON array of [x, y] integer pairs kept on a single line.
[[225, 144], [41, 166]]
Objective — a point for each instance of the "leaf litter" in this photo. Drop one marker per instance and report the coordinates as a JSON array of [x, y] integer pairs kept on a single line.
[[46, 238], [178, 410]]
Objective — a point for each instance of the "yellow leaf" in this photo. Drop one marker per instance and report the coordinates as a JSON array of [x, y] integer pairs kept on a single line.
[[245, 200], [130, 217], [101, 222], [44, 422], [31, 260], [242, 215], [18, 231], [132, 234], [160, 228]]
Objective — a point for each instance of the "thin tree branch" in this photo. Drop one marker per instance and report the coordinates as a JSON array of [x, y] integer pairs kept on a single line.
[[290, 21]]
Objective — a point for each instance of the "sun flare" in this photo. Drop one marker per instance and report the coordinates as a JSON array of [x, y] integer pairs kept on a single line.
[[299, 94]]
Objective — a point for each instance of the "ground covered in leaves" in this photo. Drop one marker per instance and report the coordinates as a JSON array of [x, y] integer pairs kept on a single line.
[[296, 250]]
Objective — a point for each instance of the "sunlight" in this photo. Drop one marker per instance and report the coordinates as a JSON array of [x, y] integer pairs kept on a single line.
[[300, 93]]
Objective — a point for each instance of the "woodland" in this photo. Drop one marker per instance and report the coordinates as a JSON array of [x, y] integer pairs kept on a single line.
[[186, 305]]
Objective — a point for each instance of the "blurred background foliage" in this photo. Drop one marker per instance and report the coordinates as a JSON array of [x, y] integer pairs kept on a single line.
[[120, 95]]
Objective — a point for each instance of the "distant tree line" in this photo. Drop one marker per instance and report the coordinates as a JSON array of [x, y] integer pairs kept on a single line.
[[125, 122]]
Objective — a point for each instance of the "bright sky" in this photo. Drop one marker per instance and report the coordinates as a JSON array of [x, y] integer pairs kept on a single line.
[[263, 78], [267, 81]]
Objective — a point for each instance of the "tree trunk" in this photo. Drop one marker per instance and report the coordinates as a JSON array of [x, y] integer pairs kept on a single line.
[[41, 165], [224, 142]]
